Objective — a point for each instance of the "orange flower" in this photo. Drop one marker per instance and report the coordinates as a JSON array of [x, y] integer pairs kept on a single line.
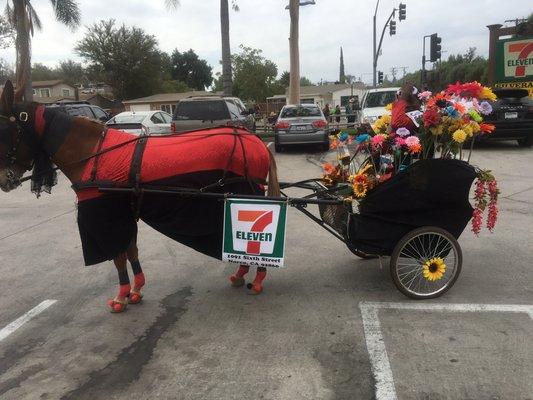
[[415, 148], [486, 128], [328, 168], [459, 107], [432, 102]]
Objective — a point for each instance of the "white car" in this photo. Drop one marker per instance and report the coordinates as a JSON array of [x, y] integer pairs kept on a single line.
[[142, 122], [374, 102]]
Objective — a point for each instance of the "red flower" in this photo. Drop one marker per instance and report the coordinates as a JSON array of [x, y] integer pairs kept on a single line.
[[470, 89], [486, 128], [431, 117]]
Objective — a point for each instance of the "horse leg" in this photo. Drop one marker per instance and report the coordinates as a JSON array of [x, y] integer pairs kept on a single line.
[[118, 304], [138, 275], [257, 286], [237, 280]]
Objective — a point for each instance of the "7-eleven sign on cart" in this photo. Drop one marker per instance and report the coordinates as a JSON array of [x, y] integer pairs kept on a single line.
[[254, 232]]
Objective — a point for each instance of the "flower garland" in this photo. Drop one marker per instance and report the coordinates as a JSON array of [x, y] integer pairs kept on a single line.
[[486, 197]]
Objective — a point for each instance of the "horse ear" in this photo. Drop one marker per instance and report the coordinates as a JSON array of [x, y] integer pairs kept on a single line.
[[6, 100]]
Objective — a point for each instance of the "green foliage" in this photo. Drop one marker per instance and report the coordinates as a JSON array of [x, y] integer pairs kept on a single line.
[[188, 68], [71, 72], [284, 82], [7, 33], [41, 72], [6, 72], [254, 77], [459, 67], [305, 82], [170, 86], [126, 58]]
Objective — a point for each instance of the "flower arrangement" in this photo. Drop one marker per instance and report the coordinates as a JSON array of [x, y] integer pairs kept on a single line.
[[448, 120]]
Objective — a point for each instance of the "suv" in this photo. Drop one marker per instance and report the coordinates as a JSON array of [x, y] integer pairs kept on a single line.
[[512, 114], [374, 103], [205, 112], [81, 109]]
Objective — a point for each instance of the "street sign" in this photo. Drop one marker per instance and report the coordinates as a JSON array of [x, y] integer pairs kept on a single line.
[[254, 232], [514, 60]]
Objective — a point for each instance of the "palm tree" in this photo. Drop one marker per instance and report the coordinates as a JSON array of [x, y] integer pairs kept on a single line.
[[226, 50], [25, 21], [294, 86]]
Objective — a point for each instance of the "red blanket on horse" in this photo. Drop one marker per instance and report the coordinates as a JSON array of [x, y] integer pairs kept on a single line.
[[193, 160]]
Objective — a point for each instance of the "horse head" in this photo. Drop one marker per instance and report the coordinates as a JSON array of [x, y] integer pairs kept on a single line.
[[17, 137]]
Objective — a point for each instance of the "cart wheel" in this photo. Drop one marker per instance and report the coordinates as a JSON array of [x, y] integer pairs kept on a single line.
[[361, 254], [426, 263]]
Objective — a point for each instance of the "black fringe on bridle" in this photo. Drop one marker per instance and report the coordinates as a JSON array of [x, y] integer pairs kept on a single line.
[[44, 175]]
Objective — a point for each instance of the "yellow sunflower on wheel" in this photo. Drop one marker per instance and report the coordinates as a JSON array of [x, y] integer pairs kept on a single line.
[[434, 269]]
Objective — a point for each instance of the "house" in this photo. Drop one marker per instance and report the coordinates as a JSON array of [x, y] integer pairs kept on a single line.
[[112, 106], [163, 101], [332, 94], [52, 91]]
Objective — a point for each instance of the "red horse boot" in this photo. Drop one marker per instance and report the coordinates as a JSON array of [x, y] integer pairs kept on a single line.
[[119, 303], [257, 286], [135, 294], [237, 280]]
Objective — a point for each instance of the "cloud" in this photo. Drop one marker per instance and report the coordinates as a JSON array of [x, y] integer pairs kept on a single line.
[[264, 24]]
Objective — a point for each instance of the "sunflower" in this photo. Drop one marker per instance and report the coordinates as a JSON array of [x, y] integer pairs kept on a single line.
[[459, 136], [434, 269], [359, 189]]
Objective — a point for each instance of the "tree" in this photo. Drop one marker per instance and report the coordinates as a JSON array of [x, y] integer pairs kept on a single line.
[[126, 58], [188, 68], [6, 71], [41, 72], [7, 33], [226, 50], [169, 86], [23, 17], [342, 75], [254, 77], [72, 72], [294, 87]]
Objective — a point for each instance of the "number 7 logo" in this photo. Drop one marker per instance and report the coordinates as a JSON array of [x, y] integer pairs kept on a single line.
[[260, 219]]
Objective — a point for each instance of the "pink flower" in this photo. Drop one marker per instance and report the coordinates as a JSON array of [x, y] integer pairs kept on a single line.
[[378, 140], [425, 95], [412, 141], [400, 141], [493, 216], [477, 221]]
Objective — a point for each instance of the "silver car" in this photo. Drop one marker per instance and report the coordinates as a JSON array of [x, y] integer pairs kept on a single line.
[[301, 124], [142, 122]]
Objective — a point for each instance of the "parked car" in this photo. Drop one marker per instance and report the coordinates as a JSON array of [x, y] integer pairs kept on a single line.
[[205, 112], [81, 109], [142, 122], [374, 102], [512, 114], [301, 124]]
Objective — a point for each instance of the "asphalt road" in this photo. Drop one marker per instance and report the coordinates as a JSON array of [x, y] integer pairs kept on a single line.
[[195, 337]]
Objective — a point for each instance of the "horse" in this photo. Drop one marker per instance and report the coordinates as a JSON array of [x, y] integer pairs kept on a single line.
[[224, 160]]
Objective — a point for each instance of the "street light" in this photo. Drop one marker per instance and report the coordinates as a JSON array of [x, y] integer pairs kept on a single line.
[[294, 85]]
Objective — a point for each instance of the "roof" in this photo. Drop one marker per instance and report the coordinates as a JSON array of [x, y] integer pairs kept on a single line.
[[169, 97], [41, 84]]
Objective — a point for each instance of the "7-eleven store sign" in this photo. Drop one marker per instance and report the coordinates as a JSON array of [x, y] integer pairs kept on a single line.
[[254, 232]]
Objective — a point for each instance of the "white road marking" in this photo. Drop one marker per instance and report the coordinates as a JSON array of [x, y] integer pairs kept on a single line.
[[379, 360], [16, 324]]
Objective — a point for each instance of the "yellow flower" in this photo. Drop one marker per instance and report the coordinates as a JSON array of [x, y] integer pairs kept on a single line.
[[388, 107], [437, 130], [486, 93], [459, 136], [434, 269], [386, 118], [468, 130], [359, 189], [475, 127]]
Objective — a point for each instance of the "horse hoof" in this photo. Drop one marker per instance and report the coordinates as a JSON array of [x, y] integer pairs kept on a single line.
[[236, 281], [135, 297], [255, 288], [116, 306]]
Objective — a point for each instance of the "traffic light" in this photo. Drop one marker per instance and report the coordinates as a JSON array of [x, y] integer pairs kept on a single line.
[[435, 48], [392, 28], [402, 12], [380, 77]]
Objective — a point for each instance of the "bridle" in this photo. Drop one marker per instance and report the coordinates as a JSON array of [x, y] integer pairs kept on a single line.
[[13, 145]]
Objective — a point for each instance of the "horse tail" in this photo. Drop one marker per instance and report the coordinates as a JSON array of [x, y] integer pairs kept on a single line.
[[273, 184]]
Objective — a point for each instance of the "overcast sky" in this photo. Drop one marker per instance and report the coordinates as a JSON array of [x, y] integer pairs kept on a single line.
[[264, 24]]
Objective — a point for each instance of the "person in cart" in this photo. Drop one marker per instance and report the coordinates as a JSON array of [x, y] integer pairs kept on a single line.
[[404, 109]]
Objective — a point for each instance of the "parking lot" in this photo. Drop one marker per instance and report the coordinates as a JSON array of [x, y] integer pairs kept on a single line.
[[329, 326]]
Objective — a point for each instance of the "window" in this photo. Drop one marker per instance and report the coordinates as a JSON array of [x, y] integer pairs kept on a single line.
[[308, 101], [166, 108], [45, 92], [157, 119], [100, 114], [127, 118], [166, 117], [66, 92], [309, 111], [210, 110], [86, 111], [379, 99], [233, 110]]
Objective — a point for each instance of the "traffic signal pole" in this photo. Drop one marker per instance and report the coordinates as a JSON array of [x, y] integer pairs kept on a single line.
[[374, 54], [423, 76]]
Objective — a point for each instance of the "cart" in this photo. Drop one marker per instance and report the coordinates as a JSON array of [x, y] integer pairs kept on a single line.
[[415, 218]]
